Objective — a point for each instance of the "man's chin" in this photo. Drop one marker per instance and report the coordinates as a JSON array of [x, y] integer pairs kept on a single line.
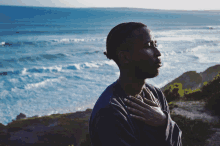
[[149, 75], [153, 75]]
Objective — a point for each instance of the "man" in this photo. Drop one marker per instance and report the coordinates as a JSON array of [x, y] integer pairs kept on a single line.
[[130, 112]]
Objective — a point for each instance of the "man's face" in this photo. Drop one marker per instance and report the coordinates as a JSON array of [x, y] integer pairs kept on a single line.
[[144, 58]]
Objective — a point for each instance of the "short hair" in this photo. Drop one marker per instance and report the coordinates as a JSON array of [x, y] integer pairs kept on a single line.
[[117, 38]]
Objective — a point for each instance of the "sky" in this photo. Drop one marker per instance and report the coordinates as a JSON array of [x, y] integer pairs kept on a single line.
[[147, 4]]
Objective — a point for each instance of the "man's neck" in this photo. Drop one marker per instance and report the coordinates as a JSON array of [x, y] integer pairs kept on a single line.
[[131, 86]]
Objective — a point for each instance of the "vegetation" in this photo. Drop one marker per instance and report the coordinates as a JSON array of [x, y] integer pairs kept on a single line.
[[188, 80], [194, 132], [208, 92]]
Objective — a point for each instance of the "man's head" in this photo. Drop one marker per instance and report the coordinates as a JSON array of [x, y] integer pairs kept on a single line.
[[132, 47]]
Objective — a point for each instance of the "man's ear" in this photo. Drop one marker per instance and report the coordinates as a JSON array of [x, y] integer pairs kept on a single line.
[[124, 57]]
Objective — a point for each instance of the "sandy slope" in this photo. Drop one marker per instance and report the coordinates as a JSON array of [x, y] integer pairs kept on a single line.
[[196, 110]]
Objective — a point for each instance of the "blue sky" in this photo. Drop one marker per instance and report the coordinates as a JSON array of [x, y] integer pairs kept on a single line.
[[153, 4]]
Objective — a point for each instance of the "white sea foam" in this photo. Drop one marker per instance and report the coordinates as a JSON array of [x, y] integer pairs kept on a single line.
[[110, 62], [166, 65], [58, 68], [207, 58], [176, 38], [172, 53], [160, 46], [90, 65], [44, 83], [14, 89], [198, 48], [4, 94], [24, 71], [3, 43], [76, 40], [2, 83], [213, 27], [13, 80], [64, 40], [169, 53]]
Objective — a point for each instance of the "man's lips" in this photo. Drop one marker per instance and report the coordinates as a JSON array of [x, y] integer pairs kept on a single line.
[[158, 64], [158, 61]]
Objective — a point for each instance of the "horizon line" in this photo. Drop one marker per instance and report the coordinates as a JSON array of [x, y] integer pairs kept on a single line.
[[116, 8]]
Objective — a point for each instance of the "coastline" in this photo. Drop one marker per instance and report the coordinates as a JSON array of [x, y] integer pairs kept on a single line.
[[72, 127], [36, 130]]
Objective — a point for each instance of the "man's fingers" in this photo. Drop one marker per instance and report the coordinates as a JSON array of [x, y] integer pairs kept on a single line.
[[138, 117], [150, 102], [135, 111], [136, 103]]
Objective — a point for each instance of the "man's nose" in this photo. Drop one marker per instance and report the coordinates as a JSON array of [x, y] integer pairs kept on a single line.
[[157, 53]]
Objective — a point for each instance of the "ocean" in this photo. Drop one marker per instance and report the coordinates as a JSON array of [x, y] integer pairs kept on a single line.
[[52, 61]]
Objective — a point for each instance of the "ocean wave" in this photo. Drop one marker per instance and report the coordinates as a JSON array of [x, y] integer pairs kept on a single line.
[[191, 34], [211, 27], [51, 42], [76, 40], [168, 53], [25, 43], [44, 83], [6, 44], [34, 58], [53, 56], [59, 68], [176, 38], [80, 66]]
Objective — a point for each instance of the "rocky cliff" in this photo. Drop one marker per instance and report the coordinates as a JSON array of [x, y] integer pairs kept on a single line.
[[53, 130], [193, 80]]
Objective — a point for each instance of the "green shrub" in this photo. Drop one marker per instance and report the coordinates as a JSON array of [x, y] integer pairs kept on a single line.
[[205, 83], [194, 132], [172, 93], [211, 87], [193, 95], [86, 142], [172, 105], [212, 103]]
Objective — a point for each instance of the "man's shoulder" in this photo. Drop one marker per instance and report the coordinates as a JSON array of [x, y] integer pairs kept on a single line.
[[107, 100], [153, 88]]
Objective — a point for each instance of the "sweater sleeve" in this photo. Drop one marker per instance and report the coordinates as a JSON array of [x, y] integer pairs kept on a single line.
[[171, 131], [111, 128]]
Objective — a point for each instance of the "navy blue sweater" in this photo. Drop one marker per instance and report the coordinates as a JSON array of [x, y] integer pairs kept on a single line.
[[110, 123]]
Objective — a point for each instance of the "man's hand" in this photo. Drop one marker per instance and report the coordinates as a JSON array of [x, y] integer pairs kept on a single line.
[[148, 112]]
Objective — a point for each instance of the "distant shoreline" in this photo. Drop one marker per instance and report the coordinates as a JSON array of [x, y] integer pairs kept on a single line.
[[119, 8]]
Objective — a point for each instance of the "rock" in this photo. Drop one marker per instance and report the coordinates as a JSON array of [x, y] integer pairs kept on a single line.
[[2, 127], [210, 73], [193, 80], [189, 80], [20, 116], [35, 116], [73, 129], [88, 110]]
